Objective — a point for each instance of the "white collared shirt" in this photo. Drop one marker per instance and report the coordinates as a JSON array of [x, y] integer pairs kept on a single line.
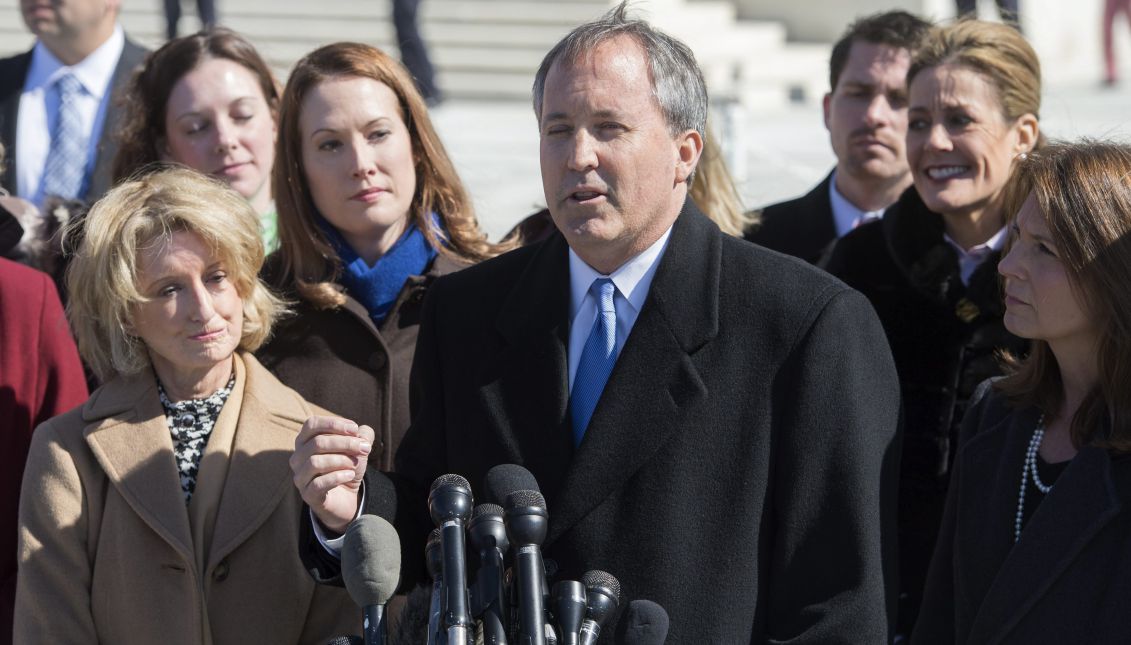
[[968, 260], [632, 280], [39, 109], [846, 216]]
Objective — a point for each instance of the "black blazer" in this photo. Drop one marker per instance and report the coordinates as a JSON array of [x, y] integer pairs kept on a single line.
[[739, 468], [1069, 578], [802, 227], [14, 70]]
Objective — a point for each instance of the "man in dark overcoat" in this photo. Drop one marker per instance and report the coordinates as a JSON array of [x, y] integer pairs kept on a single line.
[[711, 422]]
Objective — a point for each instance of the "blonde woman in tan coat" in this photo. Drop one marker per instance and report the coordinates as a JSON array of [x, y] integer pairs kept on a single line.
[[162, 509]]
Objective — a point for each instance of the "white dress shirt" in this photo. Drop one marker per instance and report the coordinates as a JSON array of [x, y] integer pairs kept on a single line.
[[846, 216], [632, 281], [39, 109], [968, 260]]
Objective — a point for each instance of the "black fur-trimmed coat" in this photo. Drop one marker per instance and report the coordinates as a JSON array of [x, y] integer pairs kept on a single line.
[[945, 337]]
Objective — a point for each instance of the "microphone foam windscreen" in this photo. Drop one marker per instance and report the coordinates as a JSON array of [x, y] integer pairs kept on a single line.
[[598, 578], [450, 480], [371, 560], [486, 509], [504, 479], [647, 623], [524, 498]]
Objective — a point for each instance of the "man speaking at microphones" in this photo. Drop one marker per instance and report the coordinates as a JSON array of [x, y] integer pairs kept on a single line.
[[709, 421]]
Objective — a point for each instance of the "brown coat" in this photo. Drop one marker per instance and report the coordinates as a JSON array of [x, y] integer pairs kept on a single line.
[[339, 360], [110, 553]]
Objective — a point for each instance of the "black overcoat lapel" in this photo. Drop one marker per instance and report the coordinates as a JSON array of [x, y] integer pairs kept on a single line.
[[1080, 504], [655, 380], [525, 389]]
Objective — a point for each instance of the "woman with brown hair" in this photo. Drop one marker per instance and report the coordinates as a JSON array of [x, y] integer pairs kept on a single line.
[[928, 266], [1036, 539], [207, 101], [370, 212]]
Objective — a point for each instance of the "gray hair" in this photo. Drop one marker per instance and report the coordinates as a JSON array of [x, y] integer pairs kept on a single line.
[[677, 82]]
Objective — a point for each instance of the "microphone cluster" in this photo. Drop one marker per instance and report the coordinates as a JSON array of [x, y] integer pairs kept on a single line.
[[509, 598]]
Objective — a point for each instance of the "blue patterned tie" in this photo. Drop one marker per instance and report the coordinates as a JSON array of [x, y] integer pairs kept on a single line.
[[66, 159], [597, 359]]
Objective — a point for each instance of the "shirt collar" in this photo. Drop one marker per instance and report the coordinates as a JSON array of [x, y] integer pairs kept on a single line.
[[94, 72], [632, 279], [995, 243], [846, 215]]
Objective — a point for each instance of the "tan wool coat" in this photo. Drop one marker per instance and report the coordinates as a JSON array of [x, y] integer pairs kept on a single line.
[[109, 552]]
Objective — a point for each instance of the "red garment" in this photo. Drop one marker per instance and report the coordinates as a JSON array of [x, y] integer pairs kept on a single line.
[[40, 377]]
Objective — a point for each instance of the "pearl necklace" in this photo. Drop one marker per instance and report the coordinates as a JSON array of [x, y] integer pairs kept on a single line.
[[1030, 467]]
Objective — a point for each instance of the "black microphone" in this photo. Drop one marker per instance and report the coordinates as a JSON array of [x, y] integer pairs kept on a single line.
[[380, 495], [450, 504], [568, 601], [647, 623], [602, 595], [527, 521], [434, 560], [488, 536], [504, 479], [346, 640], [371, 567]]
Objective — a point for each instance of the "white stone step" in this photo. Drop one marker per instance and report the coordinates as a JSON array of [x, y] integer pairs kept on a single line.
[[490, 49]]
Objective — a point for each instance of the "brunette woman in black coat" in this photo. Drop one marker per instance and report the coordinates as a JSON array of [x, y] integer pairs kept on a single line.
[[928, 266], [1036, 538]]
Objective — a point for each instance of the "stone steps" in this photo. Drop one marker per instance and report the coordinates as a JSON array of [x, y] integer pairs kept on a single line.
[[490, 49]]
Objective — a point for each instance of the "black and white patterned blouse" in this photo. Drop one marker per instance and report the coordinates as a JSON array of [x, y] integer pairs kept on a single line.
[[191, 423]]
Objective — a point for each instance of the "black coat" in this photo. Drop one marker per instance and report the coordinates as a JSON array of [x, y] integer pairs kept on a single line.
[[14, 70], [802, 227], [739, 468], [1068, 579], [339, 360], [944, 336]]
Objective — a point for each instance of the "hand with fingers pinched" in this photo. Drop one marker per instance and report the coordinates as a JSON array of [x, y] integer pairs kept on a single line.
[[328, 464]]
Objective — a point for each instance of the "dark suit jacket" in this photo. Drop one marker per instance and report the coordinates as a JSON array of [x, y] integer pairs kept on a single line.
[[738, 468], [1069, 578], [802, 227], [14, 70]]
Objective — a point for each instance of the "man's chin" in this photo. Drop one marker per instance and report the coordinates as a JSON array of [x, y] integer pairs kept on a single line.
[[879, 168]]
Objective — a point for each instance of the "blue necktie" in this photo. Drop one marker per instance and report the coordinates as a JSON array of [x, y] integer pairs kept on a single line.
[[66, 159], [597, 359]]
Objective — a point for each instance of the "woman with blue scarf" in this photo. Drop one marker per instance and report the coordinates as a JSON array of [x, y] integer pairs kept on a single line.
[[370, 212]]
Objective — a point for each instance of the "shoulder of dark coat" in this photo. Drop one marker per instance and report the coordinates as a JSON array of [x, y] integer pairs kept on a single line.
[[780, 218], [493, 272], [987, 405], [775, 288], [13, 69], [280, 399]]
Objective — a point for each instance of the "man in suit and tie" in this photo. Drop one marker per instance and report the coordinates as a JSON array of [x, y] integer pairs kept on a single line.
[[711, 423], [866, 115], [56, 111]]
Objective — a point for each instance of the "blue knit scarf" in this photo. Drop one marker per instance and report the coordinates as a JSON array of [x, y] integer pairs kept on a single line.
[[377, 287]]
